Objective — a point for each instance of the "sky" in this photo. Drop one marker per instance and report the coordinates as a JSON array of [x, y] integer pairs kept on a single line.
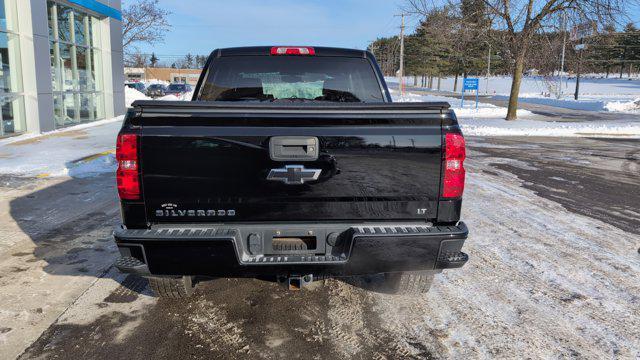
[[199, 26]]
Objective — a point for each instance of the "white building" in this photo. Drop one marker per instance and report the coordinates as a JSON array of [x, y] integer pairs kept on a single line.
[[61, 63]]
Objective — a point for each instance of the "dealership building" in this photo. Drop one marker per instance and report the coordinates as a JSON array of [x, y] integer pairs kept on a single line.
[[61, 63]]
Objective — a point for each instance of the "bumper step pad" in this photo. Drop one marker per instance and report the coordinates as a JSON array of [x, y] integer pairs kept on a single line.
[[131, 265]]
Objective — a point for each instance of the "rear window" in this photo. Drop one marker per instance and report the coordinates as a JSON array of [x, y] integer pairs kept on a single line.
[[291, 78]]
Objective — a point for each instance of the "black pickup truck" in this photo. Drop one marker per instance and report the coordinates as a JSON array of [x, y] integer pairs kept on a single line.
[[290, 164]]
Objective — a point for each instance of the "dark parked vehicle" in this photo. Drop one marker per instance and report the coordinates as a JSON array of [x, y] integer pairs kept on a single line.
[[178, 89], [156, 90], [137, 86], [290, 164]]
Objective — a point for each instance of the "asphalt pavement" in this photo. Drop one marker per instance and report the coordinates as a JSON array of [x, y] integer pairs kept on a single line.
[[62, 298]]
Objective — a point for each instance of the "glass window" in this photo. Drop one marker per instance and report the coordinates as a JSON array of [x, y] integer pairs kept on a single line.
[[81, 24], [71, 107], [53, 24], [8, 19], [12, 118], [83, 68], [76, 65], [96, 69], [94, 32], [98, 100], [265, 78], [66, 67], [10, 77], [12, 115], [56, 76], [58, 110], [3, 16], [65, 16]]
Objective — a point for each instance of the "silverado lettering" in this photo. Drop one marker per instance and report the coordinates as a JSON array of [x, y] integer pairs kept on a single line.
[[177, 213]]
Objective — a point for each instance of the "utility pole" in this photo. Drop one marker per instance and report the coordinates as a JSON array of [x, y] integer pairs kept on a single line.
[[579, 48], [401, 71], [488, 69], [564, 45]]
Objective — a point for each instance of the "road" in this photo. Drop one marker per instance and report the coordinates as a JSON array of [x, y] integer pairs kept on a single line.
[[554, 272]]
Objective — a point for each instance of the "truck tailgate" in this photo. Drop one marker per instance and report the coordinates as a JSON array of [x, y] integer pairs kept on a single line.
[[212, 162]]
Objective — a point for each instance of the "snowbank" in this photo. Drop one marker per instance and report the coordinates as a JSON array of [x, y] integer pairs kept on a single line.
[[596, 91], [149, 82], [60, 132], [183, 97], [624, 106], [469, 111], [78, 151], [524, 127], [488, 120], [536, 86], [131, 95]]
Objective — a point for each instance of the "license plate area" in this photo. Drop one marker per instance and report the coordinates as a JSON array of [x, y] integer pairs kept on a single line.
[[290, 242], [294, 244]]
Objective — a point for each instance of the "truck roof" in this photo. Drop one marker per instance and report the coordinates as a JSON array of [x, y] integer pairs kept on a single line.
[[266, 50]]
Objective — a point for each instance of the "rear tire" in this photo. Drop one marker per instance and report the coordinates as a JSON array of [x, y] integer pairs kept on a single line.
[[409, 282], [172, 288]]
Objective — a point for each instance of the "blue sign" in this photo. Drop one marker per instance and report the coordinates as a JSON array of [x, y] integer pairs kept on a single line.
[[100, 8], [471, 83]]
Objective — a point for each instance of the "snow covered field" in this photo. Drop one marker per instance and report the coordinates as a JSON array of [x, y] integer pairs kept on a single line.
[[484, 111], [596, 93], [488, 120]]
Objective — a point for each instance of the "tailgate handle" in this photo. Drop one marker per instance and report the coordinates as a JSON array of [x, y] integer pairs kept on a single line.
[[293, 148]]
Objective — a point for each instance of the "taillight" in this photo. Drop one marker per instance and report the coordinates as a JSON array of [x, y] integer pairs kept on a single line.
[[127, 174], [292, 50], [455, 153]]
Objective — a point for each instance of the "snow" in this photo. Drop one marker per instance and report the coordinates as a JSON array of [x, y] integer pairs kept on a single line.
[[548, 289], [596, 91], [131, 95], [182, 97], [624, 106], [149, 82], [524, 127], [469, 111], [59, 132], [79, 151], [488, 120]]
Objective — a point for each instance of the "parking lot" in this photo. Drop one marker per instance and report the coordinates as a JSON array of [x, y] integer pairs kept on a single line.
[[554, 271]]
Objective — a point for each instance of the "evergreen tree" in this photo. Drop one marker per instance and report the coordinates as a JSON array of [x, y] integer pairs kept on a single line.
[[630, 43], [188, 61], [154, 60]]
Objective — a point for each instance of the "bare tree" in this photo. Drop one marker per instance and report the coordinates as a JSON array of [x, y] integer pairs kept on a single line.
[[522, 19], [143, 22], [138, 60]]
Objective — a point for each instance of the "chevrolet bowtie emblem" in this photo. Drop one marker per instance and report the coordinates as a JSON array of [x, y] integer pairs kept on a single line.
[[294, 174]]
